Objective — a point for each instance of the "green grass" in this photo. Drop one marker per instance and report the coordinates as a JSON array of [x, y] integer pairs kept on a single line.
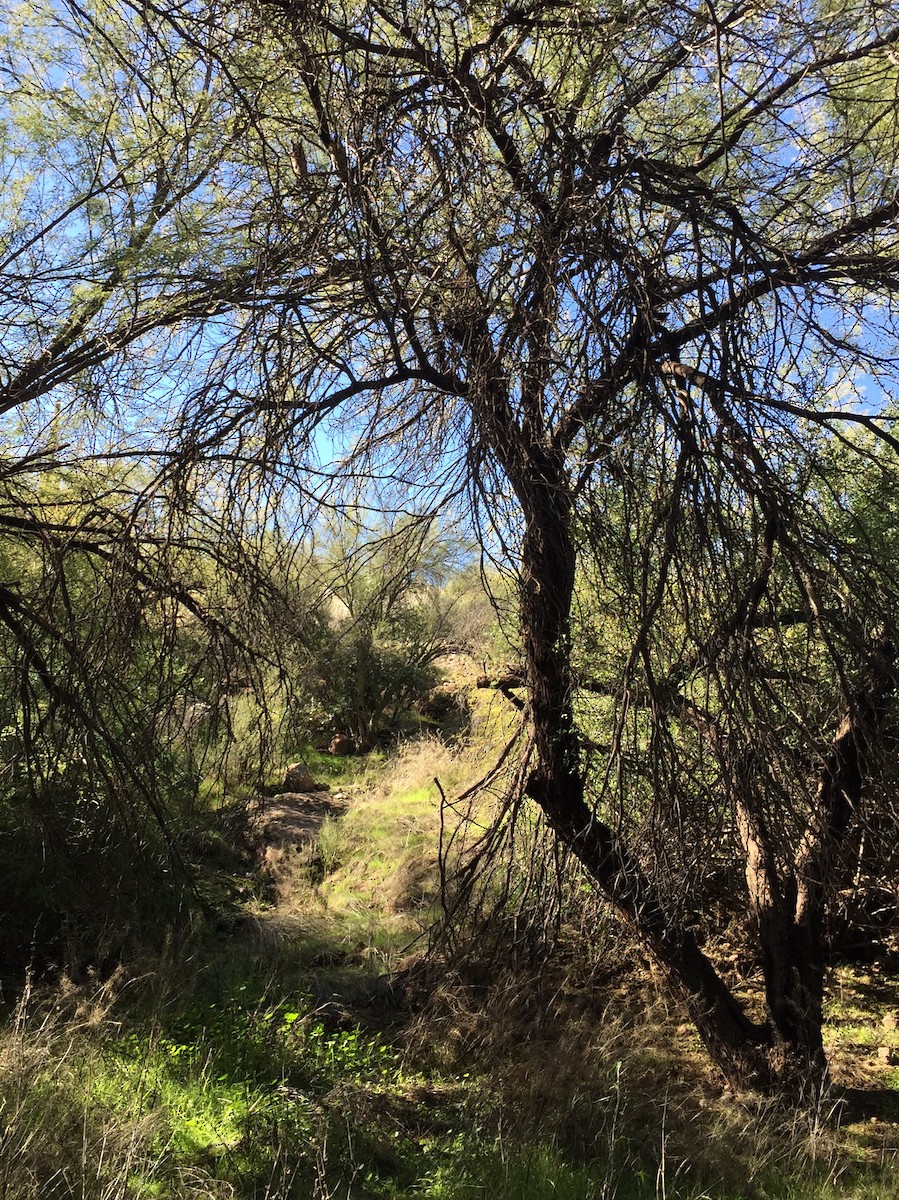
[[236, 1082], [230, 1070], [331, 769], [380, 859]]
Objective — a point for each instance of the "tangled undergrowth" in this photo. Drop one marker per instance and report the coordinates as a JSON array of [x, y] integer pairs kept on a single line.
[[324, 1058]]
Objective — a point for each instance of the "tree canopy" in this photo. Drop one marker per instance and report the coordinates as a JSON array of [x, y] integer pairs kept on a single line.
[[618, 279], [624, 275]]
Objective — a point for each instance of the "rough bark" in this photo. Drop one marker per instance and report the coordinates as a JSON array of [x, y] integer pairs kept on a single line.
[[793, 974], [787, 1052], [736, 1044], [790, 904]]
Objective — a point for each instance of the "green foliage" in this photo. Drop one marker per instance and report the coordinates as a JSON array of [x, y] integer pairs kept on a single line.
[[384, 620], [230, 1089], [466, 259], [123, 164], [108, 701], [226, 1070]]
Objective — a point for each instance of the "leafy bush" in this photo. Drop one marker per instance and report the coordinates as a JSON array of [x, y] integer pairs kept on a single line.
[[384, 621]]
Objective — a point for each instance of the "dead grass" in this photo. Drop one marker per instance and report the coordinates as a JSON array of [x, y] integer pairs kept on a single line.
[[578, 1060], [601, 1066], [584, 1058]]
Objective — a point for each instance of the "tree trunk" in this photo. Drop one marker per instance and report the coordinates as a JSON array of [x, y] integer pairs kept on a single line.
[[790, 912], [792, 966], [548, 569]]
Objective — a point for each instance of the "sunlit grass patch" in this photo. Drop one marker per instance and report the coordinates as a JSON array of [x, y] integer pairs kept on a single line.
[[334, 770], [240, 1088], [286, 1069], [227, 1094], [176, 1083], [381, 855], [74, 1124]]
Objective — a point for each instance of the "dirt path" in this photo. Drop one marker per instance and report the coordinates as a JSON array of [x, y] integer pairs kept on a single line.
[[293, 819], [285, 832]]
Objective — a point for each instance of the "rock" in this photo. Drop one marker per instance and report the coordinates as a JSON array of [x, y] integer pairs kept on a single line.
[[334, 1016], [888, 1054], [890, 1020], [186, 718], [297, 778], [341, 744]]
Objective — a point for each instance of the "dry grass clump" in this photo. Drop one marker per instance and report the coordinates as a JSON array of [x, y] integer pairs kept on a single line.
[[51, 1144], [58, 1139], [413, 885], [603, 1069], [415, 765]]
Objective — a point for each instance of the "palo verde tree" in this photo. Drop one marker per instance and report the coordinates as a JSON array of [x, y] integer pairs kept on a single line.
[[622, 274], [384, 621]]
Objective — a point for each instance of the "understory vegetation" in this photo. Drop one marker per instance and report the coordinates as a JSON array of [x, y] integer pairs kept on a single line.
[[319, 1039], [449, 600]]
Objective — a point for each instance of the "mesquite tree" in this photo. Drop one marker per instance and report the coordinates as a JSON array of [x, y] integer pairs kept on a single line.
[[625, 275], [635, 265]]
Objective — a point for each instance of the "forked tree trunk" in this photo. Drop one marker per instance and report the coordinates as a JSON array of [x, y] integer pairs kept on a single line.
[[792, 959], [791, 907]]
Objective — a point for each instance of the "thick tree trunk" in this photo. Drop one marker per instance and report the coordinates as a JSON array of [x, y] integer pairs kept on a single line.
[[790, 911], [787, 1052], [548, 568], [793, 970], [792, 967]]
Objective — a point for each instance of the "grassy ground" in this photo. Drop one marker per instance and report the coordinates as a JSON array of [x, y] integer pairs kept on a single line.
[[236, 1078], [278, 1059]]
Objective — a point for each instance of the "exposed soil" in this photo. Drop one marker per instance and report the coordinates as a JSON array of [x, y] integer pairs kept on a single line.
[[293, 819], [284, 833]]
